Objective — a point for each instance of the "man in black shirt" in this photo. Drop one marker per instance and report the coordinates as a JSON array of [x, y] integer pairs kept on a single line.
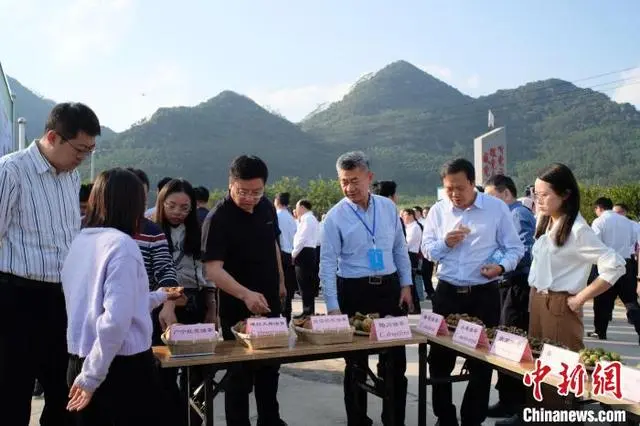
[[241, 255], [202, 199]]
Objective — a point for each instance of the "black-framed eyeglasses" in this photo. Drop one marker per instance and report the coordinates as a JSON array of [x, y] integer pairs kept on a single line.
[[83, 150]]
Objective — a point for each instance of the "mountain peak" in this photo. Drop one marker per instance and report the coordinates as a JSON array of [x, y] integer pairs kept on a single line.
[[398, 86]]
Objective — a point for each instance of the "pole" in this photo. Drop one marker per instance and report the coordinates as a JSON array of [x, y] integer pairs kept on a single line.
[[93, 166], [22, 128], [14, 128]]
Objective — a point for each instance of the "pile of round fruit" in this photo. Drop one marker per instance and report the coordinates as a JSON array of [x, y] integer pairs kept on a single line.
[[241, 327], [491, 332], [537, 344], [363, 322], [303, 322], [589, 357], [452, 320]]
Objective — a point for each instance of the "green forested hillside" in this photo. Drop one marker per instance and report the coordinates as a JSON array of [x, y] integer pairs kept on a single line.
[[409, 121]]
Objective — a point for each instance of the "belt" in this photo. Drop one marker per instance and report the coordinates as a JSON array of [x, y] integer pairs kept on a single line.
[[467, 289], [547, 291], [374, 279], [26, 282]]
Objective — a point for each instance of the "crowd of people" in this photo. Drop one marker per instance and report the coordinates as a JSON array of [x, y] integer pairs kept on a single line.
[[90, 285]]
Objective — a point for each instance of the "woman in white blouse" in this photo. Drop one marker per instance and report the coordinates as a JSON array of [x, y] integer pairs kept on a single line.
[[565, 249]]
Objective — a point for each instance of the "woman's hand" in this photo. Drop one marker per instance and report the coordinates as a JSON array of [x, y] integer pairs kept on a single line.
[[174, 293], [167, 315], [78, 398]]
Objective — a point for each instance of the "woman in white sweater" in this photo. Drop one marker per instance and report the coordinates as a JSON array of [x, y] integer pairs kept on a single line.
[[112, 373]]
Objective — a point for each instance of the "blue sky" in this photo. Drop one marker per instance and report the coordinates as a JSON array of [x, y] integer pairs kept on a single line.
[[126, 58]]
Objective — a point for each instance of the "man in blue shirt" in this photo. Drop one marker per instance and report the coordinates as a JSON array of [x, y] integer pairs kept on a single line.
[[514, 295], [365, 267], [464, 233]]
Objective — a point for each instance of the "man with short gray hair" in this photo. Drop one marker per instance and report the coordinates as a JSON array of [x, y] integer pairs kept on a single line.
[[363, 241]]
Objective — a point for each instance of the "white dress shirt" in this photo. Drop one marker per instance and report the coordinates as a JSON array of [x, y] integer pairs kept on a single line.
[[288, 227], [39, 215], [492, 231], [617, 232], [567, 268], [414, 237], [306, 235]]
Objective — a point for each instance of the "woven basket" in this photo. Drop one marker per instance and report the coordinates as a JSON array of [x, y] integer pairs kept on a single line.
[[186, 348], [330, 337], [262, 342]]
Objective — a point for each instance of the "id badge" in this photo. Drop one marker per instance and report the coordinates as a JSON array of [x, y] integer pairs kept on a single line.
[[376, 262]]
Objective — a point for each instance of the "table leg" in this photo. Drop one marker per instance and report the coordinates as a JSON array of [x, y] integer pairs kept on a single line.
[[422, 384], [208, 398], [390, 394], [188, 393]]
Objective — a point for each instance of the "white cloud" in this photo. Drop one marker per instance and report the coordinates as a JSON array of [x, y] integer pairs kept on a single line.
[[88, 28], [630, 88], [442, 72], [473, 81], [296, 102]]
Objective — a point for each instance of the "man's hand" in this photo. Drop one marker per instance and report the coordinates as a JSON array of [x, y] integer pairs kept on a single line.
[[638, 288], [334, 312], [491, 271], [256, 303], [283, 293], [575, 303], [406, 298], [454, 237], [167, 315], [78, 398]]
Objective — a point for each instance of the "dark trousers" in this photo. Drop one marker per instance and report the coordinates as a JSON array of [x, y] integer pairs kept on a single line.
[[514, 303], [33, 345], [244, 377], [290, 282], [130, 394], [415, 261], [357, 295], [481, 301], [625, 289], [427, 274], [306, 274]]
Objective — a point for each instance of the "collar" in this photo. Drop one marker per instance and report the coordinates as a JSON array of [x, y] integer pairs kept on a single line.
[[39, 161], [477, 203], [357, 207]]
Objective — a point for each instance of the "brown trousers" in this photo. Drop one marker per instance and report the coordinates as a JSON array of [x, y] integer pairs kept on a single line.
[[551, 317]]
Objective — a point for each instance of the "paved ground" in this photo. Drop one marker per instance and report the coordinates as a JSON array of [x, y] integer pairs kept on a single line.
[[311, 393]]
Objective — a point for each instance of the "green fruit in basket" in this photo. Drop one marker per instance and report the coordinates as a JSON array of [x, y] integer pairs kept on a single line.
[[589, 363], [615, 356], [605, 358], [357, 324], [593, 358]]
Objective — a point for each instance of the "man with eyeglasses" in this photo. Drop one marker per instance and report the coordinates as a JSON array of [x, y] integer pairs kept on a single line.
[[242, 256], [39, 217]]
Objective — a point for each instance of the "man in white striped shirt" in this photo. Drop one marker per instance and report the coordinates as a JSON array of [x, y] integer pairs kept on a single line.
[[39, 217]]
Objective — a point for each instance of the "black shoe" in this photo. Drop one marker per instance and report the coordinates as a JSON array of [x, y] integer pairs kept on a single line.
[[596, 335], [513, 420], [499, 410]]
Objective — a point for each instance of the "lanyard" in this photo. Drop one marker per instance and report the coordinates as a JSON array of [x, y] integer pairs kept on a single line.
[[371, 231]]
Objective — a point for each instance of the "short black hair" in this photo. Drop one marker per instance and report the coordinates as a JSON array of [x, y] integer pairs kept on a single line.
[[528, 191], [480, 188], [162, 182], [116, 201], [384, 188], [410, 211], [459, 165], [604, 203], [417, 209], [283, 198], [502, 182], [69, 118], [247, 167], [623, 206], [141, 175], [85, 191], [305, 203], [202, 194]]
